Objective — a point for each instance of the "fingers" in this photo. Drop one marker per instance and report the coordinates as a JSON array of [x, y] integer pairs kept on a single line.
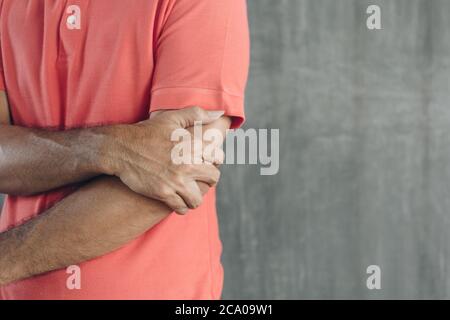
[[176, 203], [201, 151], [178, 184], [216, 157], [191, 194], [204, 188], [206, 173], [187, 117]]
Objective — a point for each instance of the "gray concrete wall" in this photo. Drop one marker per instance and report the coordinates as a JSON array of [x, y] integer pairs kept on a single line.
[[365, 153], [365, 148]]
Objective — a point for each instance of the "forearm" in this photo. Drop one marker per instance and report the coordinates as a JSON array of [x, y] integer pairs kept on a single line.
[[97, 219], [34, 160]]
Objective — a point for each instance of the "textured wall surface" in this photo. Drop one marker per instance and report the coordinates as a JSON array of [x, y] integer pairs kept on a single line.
[[365, 148], [364, 175]]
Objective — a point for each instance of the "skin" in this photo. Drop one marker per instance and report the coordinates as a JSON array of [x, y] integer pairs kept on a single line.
[[36, 160], [122, 199]]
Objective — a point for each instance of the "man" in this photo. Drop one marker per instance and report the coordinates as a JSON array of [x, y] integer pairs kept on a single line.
[[89, 180]]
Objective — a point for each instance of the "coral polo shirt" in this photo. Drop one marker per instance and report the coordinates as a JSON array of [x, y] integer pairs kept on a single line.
[[81, 63]]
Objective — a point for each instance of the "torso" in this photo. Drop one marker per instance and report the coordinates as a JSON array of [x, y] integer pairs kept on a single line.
[[59, 78]]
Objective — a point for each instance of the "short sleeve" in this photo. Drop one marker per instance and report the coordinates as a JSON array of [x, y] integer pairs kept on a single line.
[[202, 57]]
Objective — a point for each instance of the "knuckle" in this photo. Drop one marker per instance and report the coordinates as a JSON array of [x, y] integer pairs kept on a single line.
[[196, 109], [165, 192], [179, 180], [198, 112]]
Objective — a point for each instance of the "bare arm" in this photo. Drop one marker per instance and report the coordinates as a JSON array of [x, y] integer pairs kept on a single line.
[[100, 217], [4, 108], [33, 160]]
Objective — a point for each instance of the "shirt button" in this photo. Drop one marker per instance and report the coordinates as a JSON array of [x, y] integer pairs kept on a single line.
[[71, 20]]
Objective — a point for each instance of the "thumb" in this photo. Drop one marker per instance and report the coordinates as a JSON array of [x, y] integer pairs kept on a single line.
[[186, 118]]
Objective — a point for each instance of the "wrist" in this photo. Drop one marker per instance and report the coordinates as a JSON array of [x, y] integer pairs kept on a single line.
[[107, 143]]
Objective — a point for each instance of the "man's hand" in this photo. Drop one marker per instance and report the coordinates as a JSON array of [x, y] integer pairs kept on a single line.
[[140, 155]]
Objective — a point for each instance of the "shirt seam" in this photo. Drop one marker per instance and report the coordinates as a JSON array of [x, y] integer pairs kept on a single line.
[[197, 88]]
